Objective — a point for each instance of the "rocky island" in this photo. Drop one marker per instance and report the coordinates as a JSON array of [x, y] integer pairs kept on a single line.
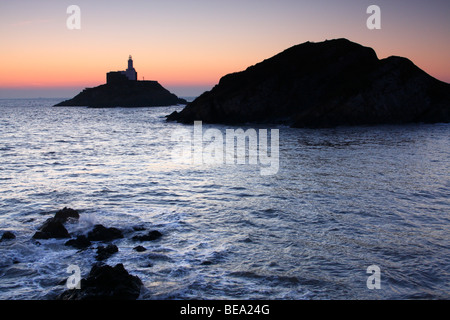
[[124, 90], [331, 83]]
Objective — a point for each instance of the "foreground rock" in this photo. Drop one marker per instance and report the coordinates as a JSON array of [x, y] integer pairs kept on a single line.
[[66, 214], [52, 229], [7, 235], [106, 283], [331, 83], [139, 249], [125, 94]]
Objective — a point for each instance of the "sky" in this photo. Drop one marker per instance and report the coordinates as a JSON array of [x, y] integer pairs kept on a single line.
[[189, 45]]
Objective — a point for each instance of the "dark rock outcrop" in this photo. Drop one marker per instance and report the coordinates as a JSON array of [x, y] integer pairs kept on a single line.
[[106, 283], [325, 84], [139, 249], [104, 253], [150, 236], [124, 94], [8, 235], [52, 229], [65, 214], [81, 242], [101, 233]]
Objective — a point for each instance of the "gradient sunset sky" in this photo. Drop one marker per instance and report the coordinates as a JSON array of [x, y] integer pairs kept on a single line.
[[189, 45]]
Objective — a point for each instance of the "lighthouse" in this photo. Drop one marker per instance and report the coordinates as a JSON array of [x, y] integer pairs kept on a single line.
[[119, 76], [130, 62], [131, 72]]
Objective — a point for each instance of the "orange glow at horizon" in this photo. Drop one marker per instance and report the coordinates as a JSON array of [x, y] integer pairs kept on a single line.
[[185, 43], [54, 73], [86, 68]]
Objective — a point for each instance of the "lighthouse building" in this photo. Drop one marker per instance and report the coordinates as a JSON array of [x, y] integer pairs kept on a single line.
[[119, 76]]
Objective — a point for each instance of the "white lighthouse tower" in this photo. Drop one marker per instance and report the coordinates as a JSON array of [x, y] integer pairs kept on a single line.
[[131, 72], [119, 76]]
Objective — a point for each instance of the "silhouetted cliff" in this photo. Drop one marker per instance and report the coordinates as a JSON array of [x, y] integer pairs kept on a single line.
[[331, 83], [125, 94]]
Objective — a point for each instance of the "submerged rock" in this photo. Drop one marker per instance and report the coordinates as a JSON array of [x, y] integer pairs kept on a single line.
[[81, 242], [101, 233], [324, 84], [104, 253], [150, 236], [138, 228], [106, 283]]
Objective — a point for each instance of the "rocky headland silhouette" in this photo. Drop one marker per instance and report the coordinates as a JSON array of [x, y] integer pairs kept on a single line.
[[325, 84]]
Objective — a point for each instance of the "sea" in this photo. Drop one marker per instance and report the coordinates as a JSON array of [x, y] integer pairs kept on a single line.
[[353, 213]]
